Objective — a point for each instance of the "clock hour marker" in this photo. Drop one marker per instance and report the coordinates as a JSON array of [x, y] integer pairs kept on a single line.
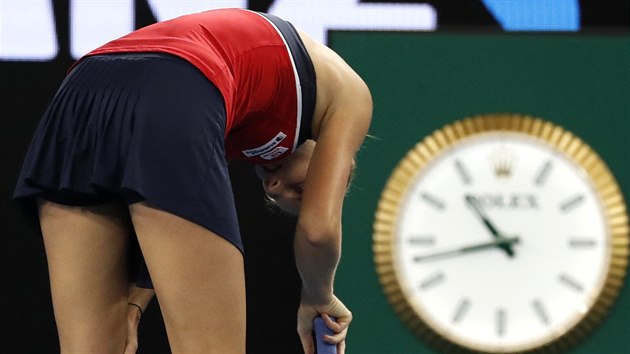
[[501, 322], [462, 172], [462, 309], [570, 282], [542, 175], [433, 201], [432, 281], [421, 240], [571, 203], [540, 310], [581, 242]]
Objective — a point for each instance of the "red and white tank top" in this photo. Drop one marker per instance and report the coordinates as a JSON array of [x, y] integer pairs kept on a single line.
[[259, 64]]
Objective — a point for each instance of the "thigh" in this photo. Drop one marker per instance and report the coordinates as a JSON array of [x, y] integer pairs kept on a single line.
[[86, 253], [199, 281]]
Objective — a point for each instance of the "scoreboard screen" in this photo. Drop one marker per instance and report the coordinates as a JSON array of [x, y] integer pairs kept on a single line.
[[44, 30]]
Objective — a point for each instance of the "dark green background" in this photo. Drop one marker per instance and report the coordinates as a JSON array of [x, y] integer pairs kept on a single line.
[[422, 81]]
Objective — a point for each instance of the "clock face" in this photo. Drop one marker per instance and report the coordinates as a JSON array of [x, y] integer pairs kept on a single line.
[[500, 242], [517, 294]]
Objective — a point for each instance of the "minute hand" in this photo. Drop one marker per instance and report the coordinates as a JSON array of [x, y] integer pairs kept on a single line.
[[499, 242], [486, 221]]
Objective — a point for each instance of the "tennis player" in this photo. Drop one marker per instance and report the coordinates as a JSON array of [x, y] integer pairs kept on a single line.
[[136, 142]]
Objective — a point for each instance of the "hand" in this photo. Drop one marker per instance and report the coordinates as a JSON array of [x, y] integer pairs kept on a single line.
[[334, 308], [499, 242], [470, 200], [140, 298], [133, 319]]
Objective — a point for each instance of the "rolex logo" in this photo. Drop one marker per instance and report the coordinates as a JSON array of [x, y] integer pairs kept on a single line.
[[503, 161]]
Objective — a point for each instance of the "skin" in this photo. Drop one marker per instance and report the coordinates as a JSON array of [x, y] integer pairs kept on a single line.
[[199, 317], [341, 120], [89, 282], [284, 181]]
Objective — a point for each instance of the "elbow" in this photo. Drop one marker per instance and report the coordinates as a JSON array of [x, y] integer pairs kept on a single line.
[[322, 234]]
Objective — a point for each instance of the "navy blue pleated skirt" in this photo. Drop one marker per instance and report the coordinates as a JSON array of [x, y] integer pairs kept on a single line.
[[135, 127]]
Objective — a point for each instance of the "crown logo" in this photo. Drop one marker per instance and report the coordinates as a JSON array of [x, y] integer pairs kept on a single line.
[[503, 161]]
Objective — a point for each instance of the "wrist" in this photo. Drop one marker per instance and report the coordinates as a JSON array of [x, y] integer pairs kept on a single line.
[[137, 311], [317, 297]]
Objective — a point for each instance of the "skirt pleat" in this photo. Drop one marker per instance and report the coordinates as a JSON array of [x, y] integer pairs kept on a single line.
[[135, 127]]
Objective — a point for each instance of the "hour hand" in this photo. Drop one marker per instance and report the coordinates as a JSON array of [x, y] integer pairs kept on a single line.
[[472, 201]]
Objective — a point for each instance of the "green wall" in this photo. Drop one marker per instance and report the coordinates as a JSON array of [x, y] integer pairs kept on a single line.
[[421, 81]]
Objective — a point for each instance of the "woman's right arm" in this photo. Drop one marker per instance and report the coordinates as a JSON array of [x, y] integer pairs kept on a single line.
[[139, 297]]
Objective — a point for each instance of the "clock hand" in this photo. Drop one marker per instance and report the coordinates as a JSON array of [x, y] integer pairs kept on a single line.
[[470, 200], [498, 242]]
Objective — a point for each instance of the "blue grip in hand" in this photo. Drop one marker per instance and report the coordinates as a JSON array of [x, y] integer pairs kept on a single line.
[[321, 330]]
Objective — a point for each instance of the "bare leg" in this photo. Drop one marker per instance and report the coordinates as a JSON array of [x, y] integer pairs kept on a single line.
[[86, 249], [199, 281]]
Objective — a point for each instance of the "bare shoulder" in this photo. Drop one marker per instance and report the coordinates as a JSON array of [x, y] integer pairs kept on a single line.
[[339, 87], [343, 112]]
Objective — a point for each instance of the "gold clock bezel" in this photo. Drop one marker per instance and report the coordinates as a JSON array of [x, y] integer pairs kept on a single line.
[[431, 147]]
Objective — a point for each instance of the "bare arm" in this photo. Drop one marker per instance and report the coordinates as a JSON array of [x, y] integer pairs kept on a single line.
[[140, 297], [345, 121], [345, 107], [318, 232]]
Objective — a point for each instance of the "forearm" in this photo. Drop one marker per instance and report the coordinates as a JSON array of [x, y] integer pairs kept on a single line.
[[317, 258]]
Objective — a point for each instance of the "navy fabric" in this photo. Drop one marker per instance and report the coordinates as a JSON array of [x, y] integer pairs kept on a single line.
[[138, 127], [306, 73]]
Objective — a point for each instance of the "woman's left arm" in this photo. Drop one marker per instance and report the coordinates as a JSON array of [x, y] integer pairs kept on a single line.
[[343, 126], [342, 129]]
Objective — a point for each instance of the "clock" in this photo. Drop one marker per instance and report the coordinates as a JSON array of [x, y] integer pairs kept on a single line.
[[501, 234]]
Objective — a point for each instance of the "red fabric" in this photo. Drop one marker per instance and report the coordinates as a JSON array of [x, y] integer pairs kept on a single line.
[[243, 55]]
